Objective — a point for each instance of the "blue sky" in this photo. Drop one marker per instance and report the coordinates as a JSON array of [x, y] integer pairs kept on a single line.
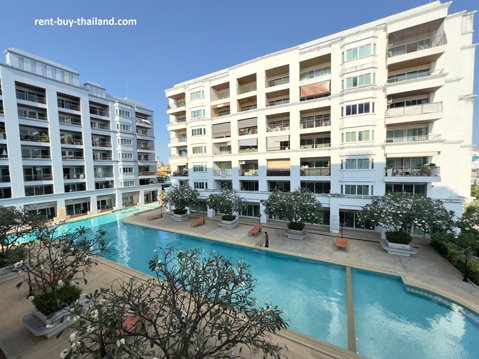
[[174, 41]]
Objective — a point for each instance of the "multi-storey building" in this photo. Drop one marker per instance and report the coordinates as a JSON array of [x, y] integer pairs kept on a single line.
[[68, 149], [383, 107]]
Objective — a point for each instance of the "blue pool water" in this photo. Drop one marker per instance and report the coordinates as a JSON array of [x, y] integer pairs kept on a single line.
[[390, 321]]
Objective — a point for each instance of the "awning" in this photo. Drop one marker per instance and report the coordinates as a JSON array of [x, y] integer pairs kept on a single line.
[[221, 127], [250, 122], [278, 164], [224, 104], [318, 88], [277, 139], [412, 154], [249, 142]]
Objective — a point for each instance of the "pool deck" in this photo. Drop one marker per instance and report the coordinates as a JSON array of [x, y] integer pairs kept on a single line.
[[426, 270]]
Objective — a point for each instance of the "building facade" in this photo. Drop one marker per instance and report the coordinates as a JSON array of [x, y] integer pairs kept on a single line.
[[68, 149], [383, 107]]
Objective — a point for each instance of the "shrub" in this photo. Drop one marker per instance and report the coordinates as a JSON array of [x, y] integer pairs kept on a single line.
[[227, 202], [49, 303], [398, 237], [13, 256], [180, 211], [296, 226], [181, 197], [228, 217]]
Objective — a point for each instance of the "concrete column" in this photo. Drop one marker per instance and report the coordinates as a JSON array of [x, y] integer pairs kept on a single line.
[[93, 204], [55, 145], [211, 212], [334, 215], [142, 196]]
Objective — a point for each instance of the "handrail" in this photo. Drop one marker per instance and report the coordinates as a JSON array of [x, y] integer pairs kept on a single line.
[[414, 110]]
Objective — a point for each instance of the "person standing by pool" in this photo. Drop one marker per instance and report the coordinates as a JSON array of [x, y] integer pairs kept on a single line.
[[266, 240]]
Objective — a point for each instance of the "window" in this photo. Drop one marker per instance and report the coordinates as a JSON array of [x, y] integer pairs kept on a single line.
[[127, 183], [419, 189], [358, 109], [407, 135], [198, 150], [125, 142], [249, 186], [358, 81], [126, 169], [200, 131], [357, 164], [200, 185], [199, 168], [123, 113], [198, 113], [360, 136], [251, 210], [125, 155], [123, 127], [358, 52], [196, 95], [356, 190], [316, 187], [413, 102]]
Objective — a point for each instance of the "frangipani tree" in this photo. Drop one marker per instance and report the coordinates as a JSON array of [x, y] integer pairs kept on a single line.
[[193, 307], [181, 197], [227, 201], [297, 207], [399, 212]]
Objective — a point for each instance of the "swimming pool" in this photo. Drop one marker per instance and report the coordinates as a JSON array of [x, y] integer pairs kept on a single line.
[[390, 321]]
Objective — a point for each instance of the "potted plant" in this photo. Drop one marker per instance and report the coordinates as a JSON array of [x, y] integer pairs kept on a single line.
[[181, 197], [432, 169], [55, 265], [297, 207], [227, 202], [398, 213]]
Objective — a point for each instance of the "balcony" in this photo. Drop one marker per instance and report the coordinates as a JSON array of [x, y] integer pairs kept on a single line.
[[414, 138], [220, 92], [278, 172], [147, 173], [426, 171], [253, 130], [315, 121], [69, 121], [247, 84], [100, 142], [103, 174], [277, 76], [31, 114], [176, 141], [249, 172], [38, 177], [277, 123], [73, 176], [72, 155], [68, 104], [423, 112], [226, 172], [412, 45], [27, 95], [279, 81], [96, 111], [319, 171], [71, 141], [178, 105], [35, 137], [182, 173], [145, 148]]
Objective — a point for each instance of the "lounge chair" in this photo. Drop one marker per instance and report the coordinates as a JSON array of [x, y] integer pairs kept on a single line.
[[198, 222], [342, 243], [254, 230]]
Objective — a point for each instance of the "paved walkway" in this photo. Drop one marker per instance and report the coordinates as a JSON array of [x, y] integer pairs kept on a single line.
[[426, 270]]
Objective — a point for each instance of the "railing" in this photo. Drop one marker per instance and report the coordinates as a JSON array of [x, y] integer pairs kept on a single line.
[[183, 173], [145, 148], [416, 138], [101, 144], [34, 155], [424, 108], [98, 112], [249, 172], [100, 158], [69, 121], [223, 173], [177, 139], [142, 121], [103, 174], [279, 81], [2, 154], [35, 138], [145, 158], [99, 126], [69, 176], [38, 177], [243, 150], [277, 128], [312, 123], [3, 136], [180, 155], [4, 179], [418, 45], [179, 120], [177, 104], [220, 96], [426, 171], [280, 101], [32, 114], [223, 152], [29, 96], [147, 173], [278, 172], [140, 132], [71, 142], [221, 134], [248, 131], [73, 157], [249, 87], [315, 145], [279, 148], [69, 105], [316, 171], [412, 75]]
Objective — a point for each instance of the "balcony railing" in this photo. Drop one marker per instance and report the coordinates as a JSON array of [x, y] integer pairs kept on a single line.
[[278, 148], [248, 131], [250, 87], [69, 121], [101, 144], [38, 177], [417, 138], [279, 81], [319, 171], [35, 138], [147, 173], [227, 172], [101, 158], [220, 96], [142, 121], [99, 126], [70, 141], [103, 174], [70, 176], [412, 75], [422, 109], [145, 148], [183, 173], [29, 96], [221, 134], [4, 179], [177, 104], [177, 139], [276, 128], [34, 115], [69, 105], [74, 157], [278, 102], [278, 172], [32, 155], [251, 149], [98, 112], [249, 172], [426, 171], [416, 45]]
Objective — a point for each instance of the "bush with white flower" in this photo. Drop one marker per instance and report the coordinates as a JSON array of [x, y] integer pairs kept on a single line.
[[398, 213], [228, 202], [297, 207], [193, 307], [181, 197]]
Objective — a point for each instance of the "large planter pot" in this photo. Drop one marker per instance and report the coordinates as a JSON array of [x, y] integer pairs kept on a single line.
[[398, 248], [181, 217], [229, 224], [296, 234]]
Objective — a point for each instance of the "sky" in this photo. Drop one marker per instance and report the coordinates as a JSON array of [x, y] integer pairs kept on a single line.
[[174, 41]]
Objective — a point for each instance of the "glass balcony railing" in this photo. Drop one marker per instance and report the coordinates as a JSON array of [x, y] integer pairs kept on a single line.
[[227, 172], [249, 172], [278, 81], [426, 171], [249, 87], [30, 96], [319, 171], [408, 46], [414, 138], [422, 109]]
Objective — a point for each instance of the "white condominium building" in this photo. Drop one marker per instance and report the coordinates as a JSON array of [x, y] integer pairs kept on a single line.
[[383, 107], [68, 149]]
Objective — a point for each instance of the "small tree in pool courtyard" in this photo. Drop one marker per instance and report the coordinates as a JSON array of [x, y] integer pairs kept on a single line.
[[397, 213], [227, 202], [181, 197], [297, 207]]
